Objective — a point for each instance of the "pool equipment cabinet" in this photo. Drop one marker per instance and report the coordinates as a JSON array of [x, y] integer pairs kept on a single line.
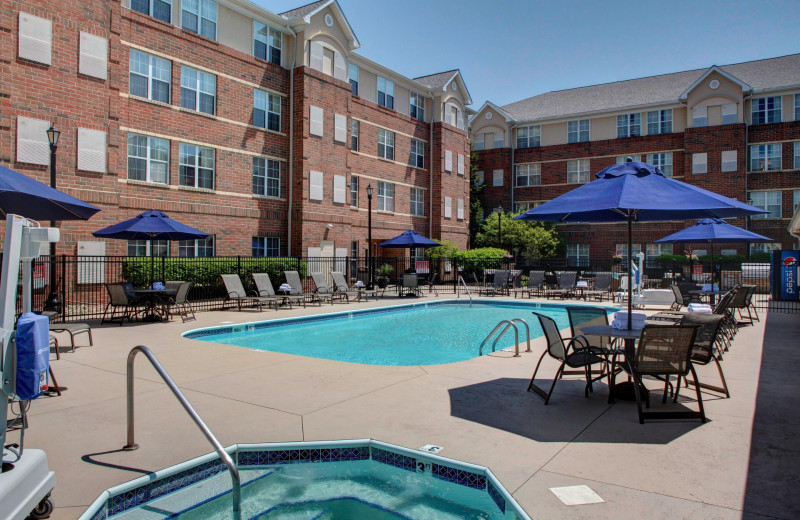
[[26, 481]]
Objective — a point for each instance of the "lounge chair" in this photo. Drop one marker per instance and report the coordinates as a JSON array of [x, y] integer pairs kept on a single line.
[[566, 285], [431, 283], [499, 284], [179, 303], [322, 288], [340, 284], [73, 329], [237, 293], [602, 286], [266, 290], [410, 284], [120, 299], [293, 279], [535, 282]]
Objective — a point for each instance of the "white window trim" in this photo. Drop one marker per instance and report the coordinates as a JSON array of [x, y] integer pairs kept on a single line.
[[197, 166], [530, 172], [196, 89], [148, 158], [417, 197], [267, 177], [581, 167], [386, 200]]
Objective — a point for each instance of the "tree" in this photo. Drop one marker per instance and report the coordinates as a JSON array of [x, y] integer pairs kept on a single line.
[[448, 249], [475, 207], [530, 239]]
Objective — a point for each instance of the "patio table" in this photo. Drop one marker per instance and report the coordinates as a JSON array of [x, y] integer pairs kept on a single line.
[[711, 294], [152, 312]]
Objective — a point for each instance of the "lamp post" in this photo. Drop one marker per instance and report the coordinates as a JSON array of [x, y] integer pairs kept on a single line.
[[53, 303], [499, 211], [370, 284]]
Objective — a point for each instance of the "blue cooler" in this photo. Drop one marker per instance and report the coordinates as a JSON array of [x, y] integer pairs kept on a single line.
[[33, 355]]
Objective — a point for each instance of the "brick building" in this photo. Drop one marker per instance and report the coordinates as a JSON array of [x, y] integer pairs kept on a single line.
[[733, 129], [261, 129]]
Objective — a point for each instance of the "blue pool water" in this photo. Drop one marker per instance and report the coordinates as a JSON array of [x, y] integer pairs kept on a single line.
[[417, 334]]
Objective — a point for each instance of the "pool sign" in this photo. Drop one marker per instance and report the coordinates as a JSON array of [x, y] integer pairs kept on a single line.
[[788, 275]]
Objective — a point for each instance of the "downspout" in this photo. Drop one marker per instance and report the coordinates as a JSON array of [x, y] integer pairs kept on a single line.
[[291, 144], [513, 172], [430, 171], [746, 163]]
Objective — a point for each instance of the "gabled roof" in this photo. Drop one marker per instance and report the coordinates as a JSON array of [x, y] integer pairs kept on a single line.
[[714, 68], [496, 108], [441, 80], [302, 15], [762, 76]]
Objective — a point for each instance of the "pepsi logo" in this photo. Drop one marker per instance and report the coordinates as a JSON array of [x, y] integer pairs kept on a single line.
[[789, 260]]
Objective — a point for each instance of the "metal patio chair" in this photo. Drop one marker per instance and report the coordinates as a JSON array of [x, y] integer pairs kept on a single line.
[[706, 346]]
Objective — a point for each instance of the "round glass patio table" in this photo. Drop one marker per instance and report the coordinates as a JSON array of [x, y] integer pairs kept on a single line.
[[712, 294]]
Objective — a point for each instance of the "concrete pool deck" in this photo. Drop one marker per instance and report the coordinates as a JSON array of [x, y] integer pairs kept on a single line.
[[743, 463]]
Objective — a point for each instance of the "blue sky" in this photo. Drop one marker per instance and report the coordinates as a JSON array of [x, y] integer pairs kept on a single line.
[[509, 50]]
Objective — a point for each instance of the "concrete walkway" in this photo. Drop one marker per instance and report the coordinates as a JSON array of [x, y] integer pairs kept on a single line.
[[478, 410]]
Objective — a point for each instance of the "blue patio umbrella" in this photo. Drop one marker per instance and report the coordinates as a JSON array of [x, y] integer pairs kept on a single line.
[[409, 239], [636, 192], [21, 195], [711, 230], [151, 225]]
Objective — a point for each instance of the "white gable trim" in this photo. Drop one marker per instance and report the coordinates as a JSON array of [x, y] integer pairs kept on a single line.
[[719, 71], [494, 107], [342, 19], [461, 84]]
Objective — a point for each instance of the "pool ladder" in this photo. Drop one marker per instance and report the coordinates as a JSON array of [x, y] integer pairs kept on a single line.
[[236, 490], [508, 324], [466, 288]]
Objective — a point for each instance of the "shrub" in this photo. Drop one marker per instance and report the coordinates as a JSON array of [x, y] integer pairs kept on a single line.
[[759, 257], [207, 271], [476, 260]]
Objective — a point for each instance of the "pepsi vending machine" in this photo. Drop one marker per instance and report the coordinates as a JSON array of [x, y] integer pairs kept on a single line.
[[783, 276]]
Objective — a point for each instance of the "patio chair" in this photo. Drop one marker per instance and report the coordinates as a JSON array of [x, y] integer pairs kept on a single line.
[[120, 300], [678, 303], [575, 354], [340, 285], [743, 301], [266, 290], [237, 293], [706, 346], [293, 279], [322, 288], [664, 351], [684, 288], [179, 303], [586, 317], [499, 284], [73, 329], [410, 284], [601, 288], [431, 283], [535, 283], [172, 285], [566, 285]]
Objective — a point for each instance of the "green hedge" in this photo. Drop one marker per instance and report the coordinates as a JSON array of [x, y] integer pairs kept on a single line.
[[206, 271], [476, 260]]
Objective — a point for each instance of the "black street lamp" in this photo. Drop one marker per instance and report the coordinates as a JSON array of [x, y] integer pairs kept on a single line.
[[371, 284], [53, 303], [499, 211]]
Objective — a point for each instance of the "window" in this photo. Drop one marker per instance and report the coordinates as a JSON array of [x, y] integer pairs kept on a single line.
[[796, 164], [795, 200], [267, 110], [200, 16], [578, 131], [529, 174], [148, 159], [477, 142], [150, 76], [729, 161], [266, 246], [160, 9], [266, 177], [700, 116], [196, 166], [766, 110], [656, 250], [578, 171], [385, 93], [416, 107], [499, 140], [353, 75], [354, 135], [267, 43], [448, 161], [142, 248], [525, 206], [203, 247], [448, 207], [385, 144], [417, 153], [417, 202], [316, 116], [622, 250], [198, 90], [768, 200], [622, 159], [340, 128], [797, 107], [662, 161], [659, 122], [497, 178], [765, 157], [699, 162], [729, 114], [764, 247], [385, 196], [629, 125], [479, 178], [460, 165], [354, 191], [578, 254], [529, 136]]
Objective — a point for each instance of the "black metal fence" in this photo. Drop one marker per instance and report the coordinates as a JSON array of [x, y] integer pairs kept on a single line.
[[80, 280]]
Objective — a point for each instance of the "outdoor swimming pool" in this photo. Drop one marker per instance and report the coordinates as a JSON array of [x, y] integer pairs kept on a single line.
[[414, 334]]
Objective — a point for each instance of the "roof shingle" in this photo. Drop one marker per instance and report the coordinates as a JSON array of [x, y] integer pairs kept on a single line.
[[302, 10], [438, 80]]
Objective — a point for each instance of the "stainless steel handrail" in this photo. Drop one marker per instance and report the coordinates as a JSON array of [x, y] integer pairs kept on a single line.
[[527, 331], [458, 292], [508, 324], [236, 494]]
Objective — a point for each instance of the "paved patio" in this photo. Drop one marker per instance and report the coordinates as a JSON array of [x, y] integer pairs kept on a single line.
[[743, 463]]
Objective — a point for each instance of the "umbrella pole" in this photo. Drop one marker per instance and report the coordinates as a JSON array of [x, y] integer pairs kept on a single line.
[[630, 270], [152, 263]]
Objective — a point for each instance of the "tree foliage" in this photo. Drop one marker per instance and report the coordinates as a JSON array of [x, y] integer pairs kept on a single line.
[[475, 207], [530, 239], [448, 249]]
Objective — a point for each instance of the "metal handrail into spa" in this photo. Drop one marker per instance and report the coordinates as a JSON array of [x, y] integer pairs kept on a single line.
[[458, 293], [236, 493]]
